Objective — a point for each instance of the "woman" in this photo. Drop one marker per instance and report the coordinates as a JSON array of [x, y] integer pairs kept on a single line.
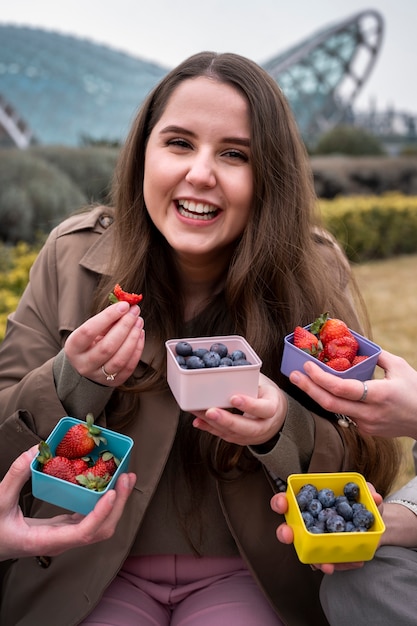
[[213, 220]]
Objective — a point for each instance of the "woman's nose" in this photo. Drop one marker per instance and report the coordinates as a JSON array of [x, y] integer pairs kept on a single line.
[[201, 171]]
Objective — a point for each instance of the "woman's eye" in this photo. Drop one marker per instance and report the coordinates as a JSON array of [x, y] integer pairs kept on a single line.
[[181, 143], [236, 154]]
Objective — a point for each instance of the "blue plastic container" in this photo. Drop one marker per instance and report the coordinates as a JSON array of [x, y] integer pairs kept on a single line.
[[294, 358], [68, 495]]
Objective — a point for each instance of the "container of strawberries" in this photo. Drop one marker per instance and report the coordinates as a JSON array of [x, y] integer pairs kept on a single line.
[[333, 346], [78, 463]]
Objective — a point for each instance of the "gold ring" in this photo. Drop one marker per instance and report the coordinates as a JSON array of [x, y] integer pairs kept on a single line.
[[107, 375]]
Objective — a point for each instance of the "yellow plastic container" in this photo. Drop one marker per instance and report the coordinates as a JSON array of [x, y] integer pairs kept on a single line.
[[339, 547]]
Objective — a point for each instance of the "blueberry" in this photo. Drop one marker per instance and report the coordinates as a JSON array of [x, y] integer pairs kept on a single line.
[[308, 519], [200, 352], [351, 491], [345, 510], [181, 361], [336, 524], [317, 528], [240, 362], [237, 354], [324, 514], [357, 506], [305, 496], [309, 489], [195, 363], [326, 497], [226, 362], [363, 519], [314, 507], [211, 359], [220, 348], [183, 348]]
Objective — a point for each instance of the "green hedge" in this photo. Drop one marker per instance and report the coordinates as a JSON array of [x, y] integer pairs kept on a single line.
[[41, 186], [372, 227]]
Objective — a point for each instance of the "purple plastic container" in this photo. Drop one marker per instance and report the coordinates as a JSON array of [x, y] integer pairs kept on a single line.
[[294, 358]]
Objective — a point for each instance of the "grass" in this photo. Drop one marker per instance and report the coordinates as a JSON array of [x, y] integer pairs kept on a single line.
[[389, 289]]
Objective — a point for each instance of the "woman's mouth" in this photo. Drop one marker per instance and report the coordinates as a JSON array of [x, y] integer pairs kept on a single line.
[[197, 210]]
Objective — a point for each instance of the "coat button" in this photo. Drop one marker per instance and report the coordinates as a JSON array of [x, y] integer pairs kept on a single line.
[[105, 220]]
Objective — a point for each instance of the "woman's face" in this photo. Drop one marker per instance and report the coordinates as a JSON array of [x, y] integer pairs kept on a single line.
[[198, 182]]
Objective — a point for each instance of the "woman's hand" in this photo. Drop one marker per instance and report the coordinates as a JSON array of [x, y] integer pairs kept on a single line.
[[21, 536], [260, 420], [390, 407], [279, 504], [108, 346]]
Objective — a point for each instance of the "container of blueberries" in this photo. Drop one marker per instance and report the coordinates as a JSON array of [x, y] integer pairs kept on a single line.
[[334, 517], [205, 372]]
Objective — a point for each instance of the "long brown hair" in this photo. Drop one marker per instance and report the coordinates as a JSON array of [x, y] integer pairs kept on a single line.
[[283, 271]]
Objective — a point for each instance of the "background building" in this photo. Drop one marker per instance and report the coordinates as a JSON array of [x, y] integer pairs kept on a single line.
[[62, 90]]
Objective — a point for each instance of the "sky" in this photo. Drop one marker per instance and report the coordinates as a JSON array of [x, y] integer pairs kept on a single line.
[[168, 31]]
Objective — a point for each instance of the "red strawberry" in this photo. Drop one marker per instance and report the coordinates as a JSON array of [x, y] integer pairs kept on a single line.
[[346, 346], [339, 363], [119, 295], [112, 463], [80, 465], [329, 328], [80, 439], [57, 466], [359, 358], [96, 477], [305, 340]]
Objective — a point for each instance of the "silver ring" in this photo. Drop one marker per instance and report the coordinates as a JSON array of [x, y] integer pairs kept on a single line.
[[365, 392], [107, 375]]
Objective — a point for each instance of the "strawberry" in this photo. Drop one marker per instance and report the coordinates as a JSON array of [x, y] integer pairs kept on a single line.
[[96, 477], [339, 363], [118, 295], [328, 328], [359, 358], [346, 346], [112, 463], [80, 465], [80, 439], [305, 340], [57, 466]]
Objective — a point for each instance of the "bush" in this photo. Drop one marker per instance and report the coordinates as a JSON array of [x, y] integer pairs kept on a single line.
[[15, 263], [34, 196], [343, 175], [372, 227], [90, 168], [349, 140]]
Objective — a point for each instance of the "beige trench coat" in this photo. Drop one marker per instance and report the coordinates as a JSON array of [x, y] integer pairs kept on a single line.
[[64, 589]]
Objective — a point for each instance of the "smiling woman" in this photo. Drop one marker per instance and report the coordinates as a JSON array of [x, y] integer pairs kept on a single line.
[[212, 219], [198, 178]]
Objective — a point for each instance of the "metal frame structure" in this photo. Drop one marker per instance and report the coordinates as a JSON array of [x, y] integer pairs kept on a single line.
[[322, 76], [59, 89]]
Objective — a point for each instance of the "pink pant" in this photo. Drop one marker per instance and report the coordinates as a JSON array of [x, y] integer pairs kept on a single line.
[[183, 591]]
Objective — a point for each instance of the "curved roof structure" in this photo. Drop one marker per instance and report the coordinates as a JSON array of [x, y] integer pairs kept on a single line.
[[65, 88], [322, 76], [60, 89]]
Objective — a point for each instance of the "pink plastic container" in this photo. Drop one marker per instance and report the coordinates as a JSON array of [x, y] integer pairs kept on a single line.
[[201, 389], [294, 358]]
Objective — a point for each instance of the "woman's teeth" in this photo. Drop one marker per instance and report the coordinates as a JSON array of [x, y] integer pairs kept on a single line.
[[196, 210]]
